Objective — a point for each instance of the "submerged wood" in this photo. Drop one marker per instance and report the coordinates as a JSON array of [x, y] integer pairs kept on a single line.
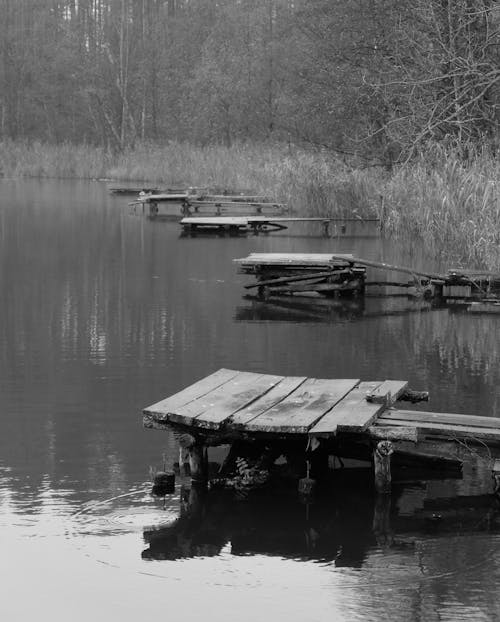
[[299, 277]]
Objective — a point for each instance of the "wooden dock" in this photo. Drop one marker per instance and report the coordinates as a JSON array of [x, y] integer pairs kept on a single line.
[[277, 415], [192, 202], [337, 274], [299, 273], [241, 224]]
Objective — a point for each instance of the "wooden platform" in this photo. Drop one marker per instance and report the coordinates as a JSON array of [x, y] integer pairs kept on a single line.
[[240, 401], [346, 417], [246, 401], [258, 223], [230, 223], [479, 291]]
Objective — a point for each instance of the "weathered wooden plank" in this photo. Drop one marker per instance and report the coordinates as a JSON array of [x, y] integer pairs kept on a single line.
[[200, 221], [236, 204], [161, 410], [162, 198], [302, 408], [352, 413], [214, 407], [420, 416], [474, 273], [233, 197], [391, 389], [394, 434], [277, 394], [448, 431], [294, 259]]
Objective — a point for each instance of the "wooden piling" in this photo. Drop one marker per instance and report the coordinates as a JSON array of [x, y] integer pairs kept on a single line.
[[382, 466], [382, 520], [495, 472], [307, 484], [198, 463]]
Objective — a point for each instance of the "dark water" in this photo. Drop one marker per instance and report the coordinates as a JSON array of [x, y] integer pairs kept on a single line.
[[104, 312]]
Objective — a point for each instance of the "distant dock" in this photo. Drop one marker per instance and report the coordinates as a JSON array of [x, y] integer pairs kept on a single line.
[[277, 415]]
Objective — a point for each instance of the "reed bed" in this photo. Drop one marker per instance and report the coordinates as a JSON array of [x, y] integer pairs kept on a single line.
[[36, 159], [453, 206], [309, 182], [451, 203]]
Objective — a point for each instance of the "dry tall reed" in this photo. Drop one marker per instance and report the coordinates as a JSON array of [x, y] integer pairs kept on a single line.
[[453, 206]]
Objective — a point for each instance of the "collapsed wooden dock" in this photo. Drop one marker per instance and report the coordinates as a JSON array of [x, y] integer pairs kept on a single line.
[[335, 274], [192, 201], [265, 416]]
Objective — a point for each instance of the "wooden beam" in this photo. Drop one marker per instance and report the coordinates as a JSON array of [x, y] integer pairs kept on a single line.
[[420, 416], [388, 392], [386, 266], [448, 432], [394, 434]]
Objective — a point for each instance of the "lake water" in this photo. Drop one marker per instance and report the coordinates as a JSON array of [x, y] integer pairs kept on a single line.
[[104, 312]]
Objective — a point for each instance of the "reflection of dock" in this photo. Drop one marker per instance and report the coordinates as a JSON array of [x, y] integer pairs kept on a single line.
[[308, 309], [340, 528], [346, 417]]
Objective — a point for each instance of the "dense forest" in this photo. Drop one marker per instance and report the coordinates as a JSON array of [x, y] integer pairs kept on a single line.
[[376, 79]]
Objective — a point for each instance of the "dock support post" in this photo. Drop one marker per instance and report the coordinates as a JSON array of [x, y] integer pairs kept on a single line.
[[307, 484], [198, 463], [382, 520], [382, 466], [495, 472]]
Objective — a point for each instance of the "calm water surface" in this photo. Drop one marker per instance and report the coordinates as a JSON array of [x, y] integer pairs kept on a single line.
[[103, 312]]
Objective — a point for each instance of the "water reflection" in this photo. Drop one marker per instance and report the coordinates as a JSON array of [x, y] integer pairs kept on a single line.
[[317, 309], [344, 527]]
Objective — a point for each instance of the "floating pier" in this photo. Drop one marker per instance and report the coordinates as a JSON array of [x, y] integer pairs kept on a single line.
[[340, 274], [309, 420], [260, 224]]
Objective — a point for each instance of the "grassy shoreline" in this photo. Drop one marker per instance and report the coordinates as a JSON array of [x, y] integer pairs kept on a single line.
[[454, 208]]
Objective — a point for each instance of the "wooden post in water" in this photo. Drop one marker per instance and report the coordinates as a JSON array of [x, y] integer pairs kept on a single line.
[[382, 520], [382, 466], [198, 463]]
